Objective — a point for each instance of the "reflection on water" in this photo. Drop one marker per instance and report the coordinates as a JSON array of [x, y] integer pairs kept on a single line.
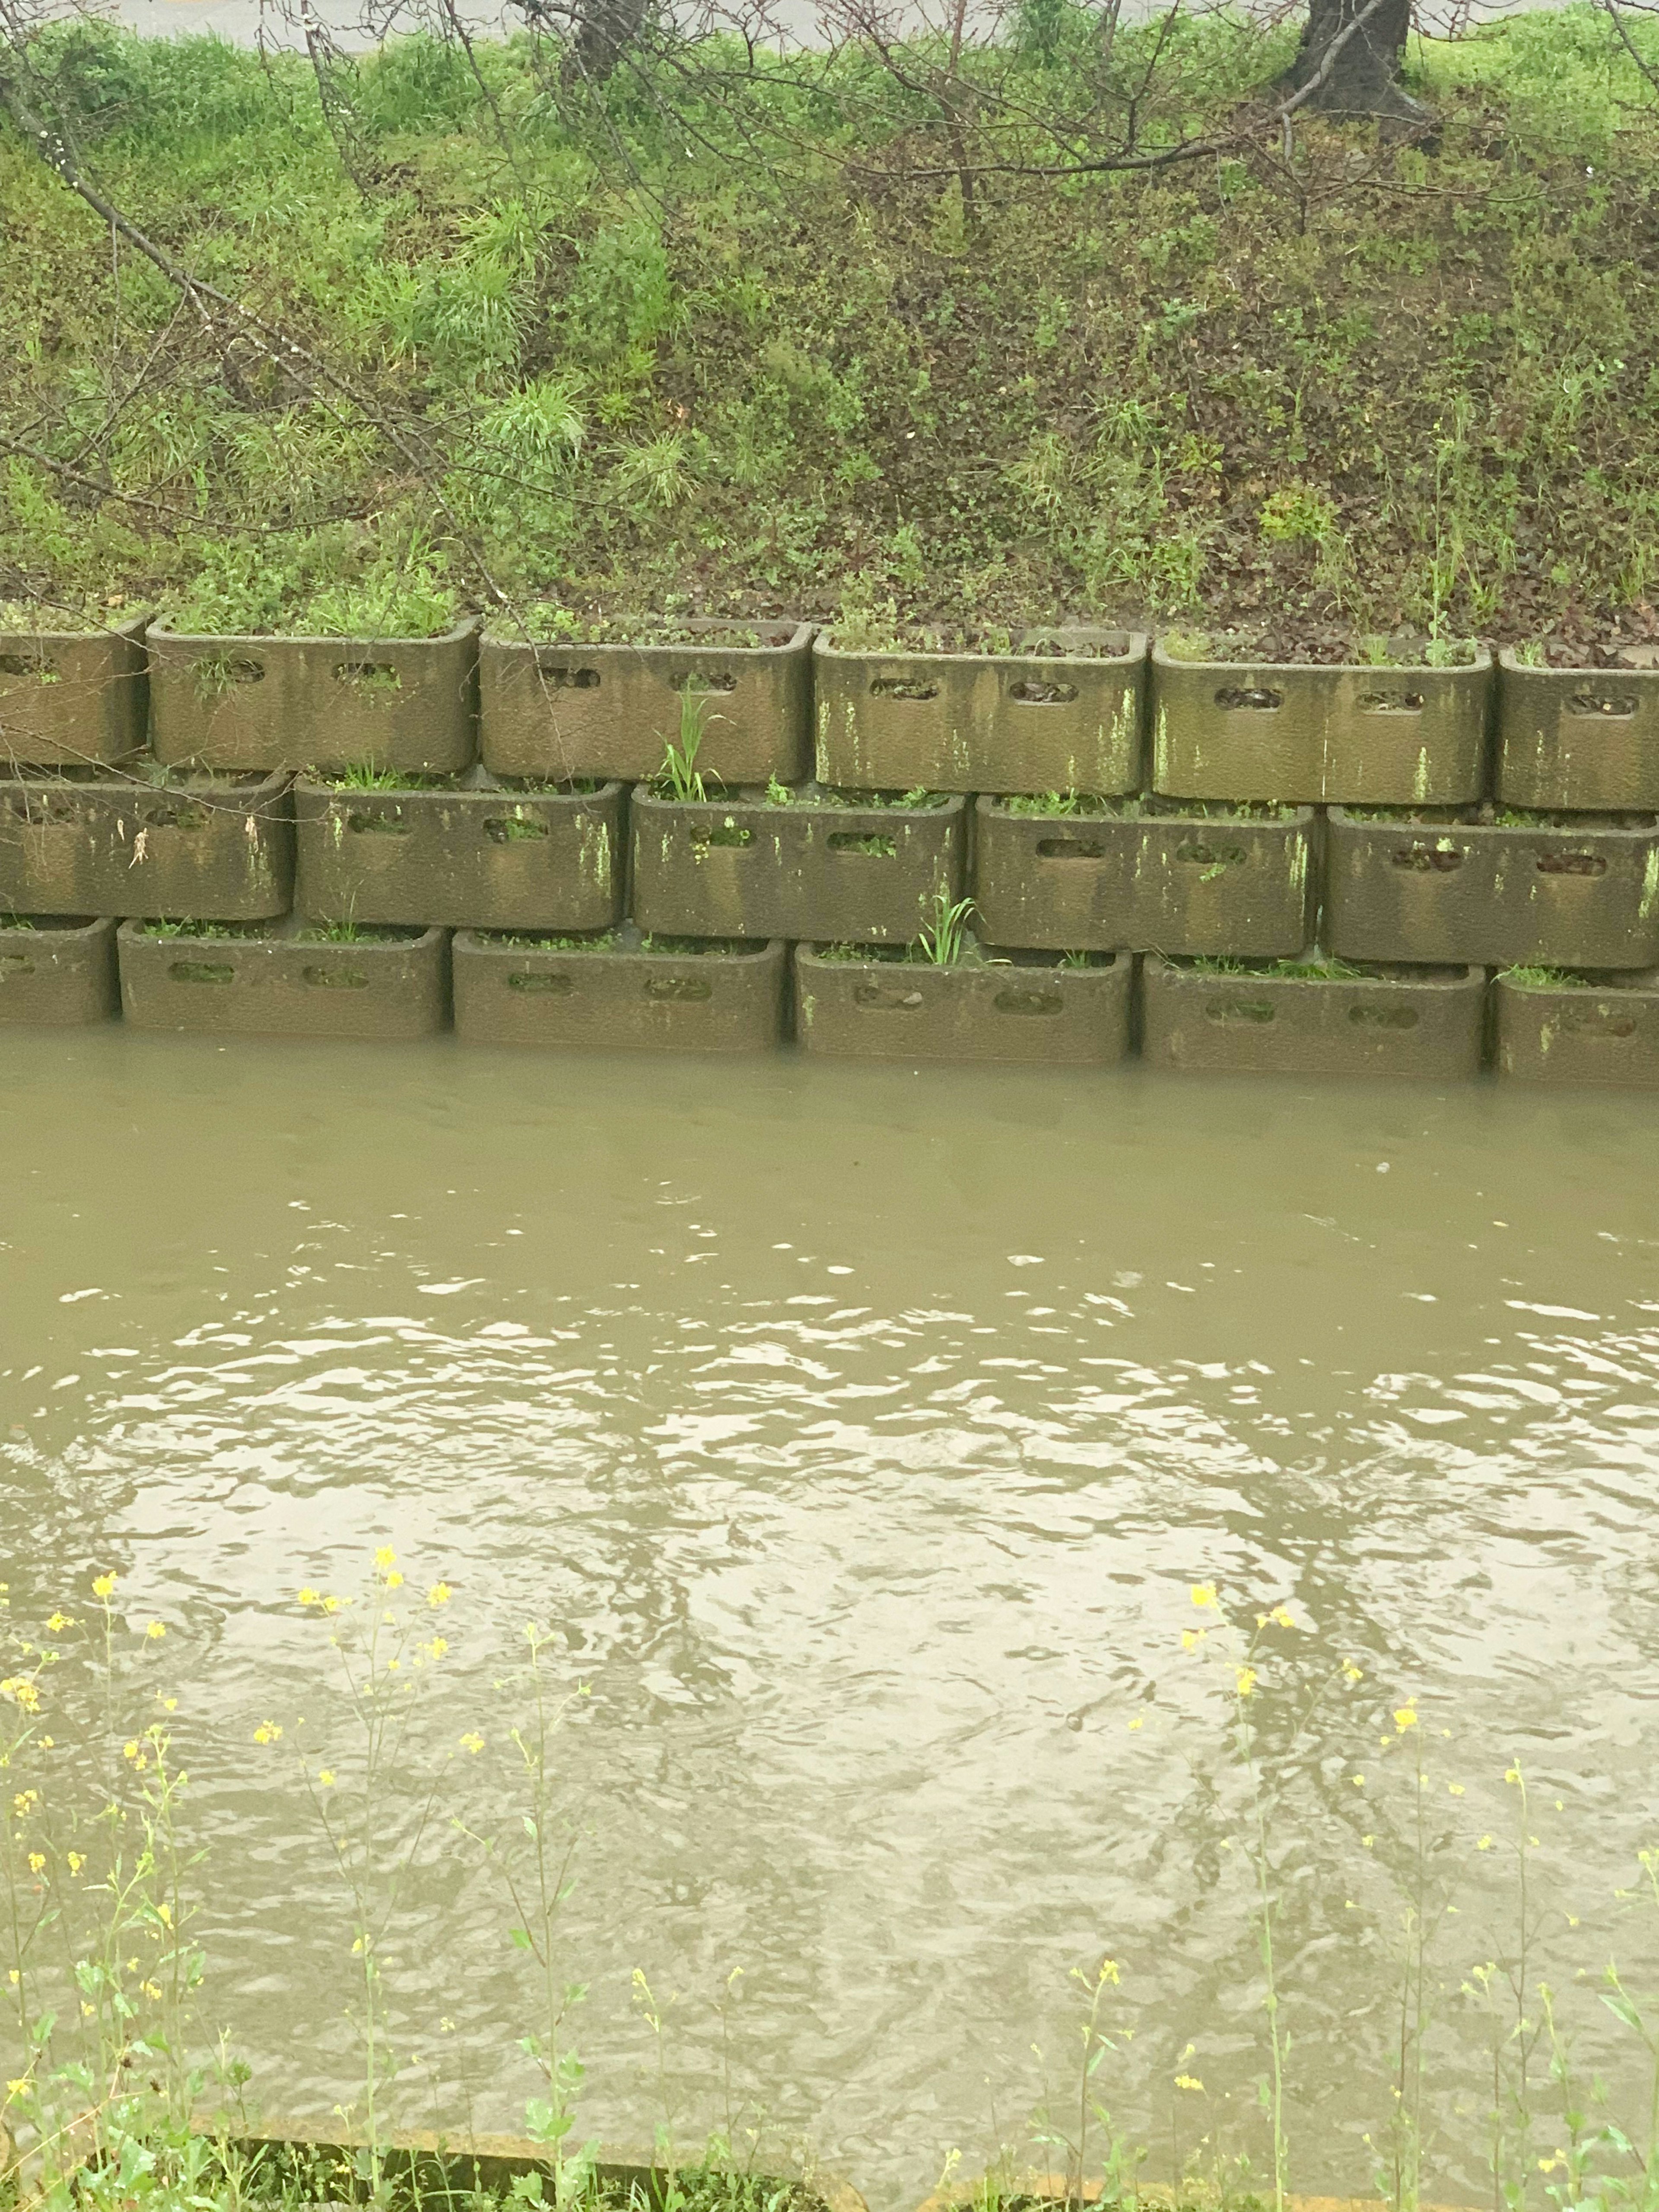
[[865, 1433]]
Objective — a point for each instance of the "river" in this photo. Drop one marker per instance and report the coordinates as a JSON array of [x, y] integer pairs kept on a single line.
[[869, 1441]]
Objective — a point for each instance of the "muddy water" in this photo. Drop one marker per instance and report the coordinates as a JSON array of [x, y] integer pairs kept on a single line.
[[863, 1434]]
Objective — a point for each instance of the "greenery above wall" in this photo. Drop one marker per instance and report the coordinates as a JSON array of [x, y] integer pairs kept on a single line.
[[737, 354]]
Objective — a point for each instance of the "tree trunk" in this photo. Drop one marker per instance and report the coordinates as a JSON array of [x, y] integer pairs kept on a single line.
[[1363, 78], [604, 28]]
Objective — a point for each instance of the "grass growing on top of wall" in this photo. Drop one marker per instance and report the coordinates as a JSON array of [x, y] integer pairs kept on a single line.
[[762, 361]]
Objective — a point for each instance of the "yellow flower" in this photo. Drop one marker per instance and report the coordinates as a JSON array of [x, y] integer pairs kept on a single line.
[[1485, 1843], [1191, 1638], [1109, 1972], [1283, 1615], [58, 1623], [1357, 1780], [331, 1605], [130, 1751], [1455, 1789], [75, 1861], [1204, 1594], [155, 1632], [325, 1777], [394, 1579], [1512, 1774], [18, 2086], [1138, 1722], [1246, 1682], [267, 1732], [472, 1741], [21, 1692], [1404, 1718], [438, 1646], [37, 1863], [309, 1596], [439, 1594], [153, 1991], [385, 1558], [105, 1585], [1351, 1673], [1188, 2082]]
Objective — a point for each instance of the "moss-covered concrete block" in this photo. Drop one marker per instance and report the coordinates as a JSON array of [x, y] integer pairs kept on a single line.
[[218, 848], [1578, 1032], [1381, 737], [568, 711], [1026, 1010], [408, 704], [290, 982], [1581, 894], [620, 998], [57, 973], [475, 855], [1580, 740], [1147, 876], [1063, 713], [747, 868], [71, 698], [1421, 1022]]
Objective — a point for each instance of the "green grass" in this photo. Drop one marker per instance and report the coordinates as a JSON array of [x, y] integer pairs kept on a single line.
[[358, 932], [1328, 969], [732, 341], [189, 928], [363, 775], [1545, 979], [1044, 805]]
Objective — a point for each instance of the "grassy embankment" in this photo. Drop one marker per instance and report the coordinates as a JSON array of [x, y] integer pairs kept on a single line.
[[775, 368]]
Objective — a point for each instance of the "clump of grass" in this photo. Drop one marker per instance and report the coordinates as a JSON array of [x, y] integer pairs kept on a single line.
[[602, 940], [1545, 979], [1325, 969], [679, 777], [351, 932], [1061, 805], [940, 941], [191, 928], [366, 776]]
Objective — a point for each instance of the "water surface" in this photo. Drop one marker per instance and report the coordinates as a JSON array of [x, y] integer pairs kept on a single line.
[[863, 1434]]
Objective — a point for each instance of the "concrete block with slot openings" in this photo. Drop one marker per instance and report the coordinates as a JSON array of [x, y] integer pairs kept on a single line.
[[1062, 713], [1375, 736], [71, 698], [390, 986], [1436, 889], [1423, 1022], [322, 703], [474, 854], [563, 710], [57, 973], [745, 868], [219, 848], [716, 997], [1599, 1033], [1150, 876], [1577, 738], [1018, 1010]]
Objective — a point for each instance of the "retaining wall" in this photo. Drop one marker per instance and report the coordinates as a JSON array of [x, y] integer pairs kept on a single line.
[[1225, 867]]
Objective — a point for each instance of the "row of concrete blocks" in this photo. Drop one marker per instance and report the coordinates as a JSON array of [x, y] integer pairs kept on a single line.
[[1430, 1023], [1079, 710], [1141, 876]]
